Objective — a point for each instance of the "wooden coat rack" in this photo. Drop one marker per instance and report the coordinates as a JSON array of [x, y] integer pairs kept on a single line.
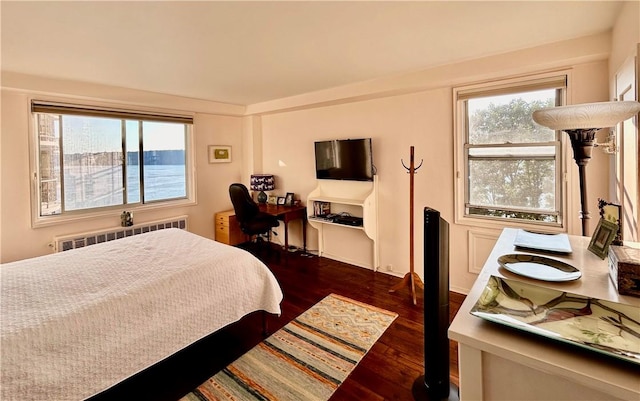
[[410, 279]]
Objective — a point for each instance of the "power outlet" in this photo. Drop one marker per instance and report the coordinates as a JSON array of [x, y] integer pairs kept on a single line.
[[389, 267]]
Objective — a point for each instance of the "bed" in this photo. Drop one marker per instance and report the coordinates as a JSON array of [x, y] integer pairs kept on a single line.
[[75, 323]]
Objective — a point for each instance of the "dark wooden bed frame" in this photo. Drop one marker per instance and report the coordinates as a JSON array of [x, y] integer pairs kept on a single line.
[[175, 376]]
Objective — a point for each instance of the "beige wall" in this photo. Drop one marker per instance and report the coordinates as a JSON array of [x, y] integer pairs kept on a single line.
[[277, 137], [20, 241], [394, 123], [422, 118], [625, 35]]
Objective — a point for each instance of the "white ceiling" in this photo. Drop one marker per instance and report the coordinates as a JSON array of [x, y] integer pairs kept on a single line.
[[249, 52]]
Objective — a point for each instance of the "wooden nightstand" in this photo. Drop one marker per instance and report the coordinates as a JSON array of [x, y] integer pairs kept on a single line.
[[227, 228]]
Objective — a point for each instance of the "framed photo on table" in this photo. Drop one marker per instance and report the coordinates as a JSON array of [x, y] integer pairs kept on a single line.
[[288, 200], [602, 238], [281, 200], [612, 213]]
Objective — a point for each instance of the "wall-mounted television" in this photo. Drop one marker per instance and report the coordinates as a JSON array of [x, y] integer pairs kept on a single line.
[[344, 159]]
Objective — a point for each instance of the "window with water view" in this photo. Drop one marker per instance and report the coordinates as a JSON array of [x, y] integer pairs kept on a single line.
[[90, 161]]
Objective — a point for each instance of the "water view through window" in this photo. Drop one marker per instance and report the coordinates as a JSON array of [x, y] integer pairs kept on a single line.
[[82, 164]]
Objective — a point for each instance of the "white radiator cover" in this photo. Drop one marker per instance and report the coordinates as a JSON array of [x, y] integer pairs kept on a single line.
[[80, 240]]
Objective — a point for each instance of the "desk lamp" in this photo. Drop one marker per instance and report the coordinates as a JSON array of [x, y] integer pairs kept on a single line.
[[263, 182], [580, 122]]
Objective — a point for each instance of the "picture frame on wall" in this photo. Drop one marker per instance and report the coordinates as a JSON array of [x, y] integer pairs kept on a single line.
[[612, 212], [602, 237], [219, 154], [288, 200], [281, 200]]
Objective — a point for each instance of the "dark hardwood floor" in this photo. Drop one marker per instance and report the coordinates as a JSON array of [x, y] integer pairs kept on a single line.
[[389, 369], [387, 372]]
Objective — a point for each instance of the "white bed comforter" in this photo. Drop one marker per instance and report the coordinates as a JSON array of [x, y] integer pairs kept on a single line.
[[77, 322]]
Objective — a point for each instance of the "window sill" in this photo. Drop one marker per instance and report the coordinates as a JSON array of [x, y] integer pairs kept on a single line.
[[499, 224], [54, 220]]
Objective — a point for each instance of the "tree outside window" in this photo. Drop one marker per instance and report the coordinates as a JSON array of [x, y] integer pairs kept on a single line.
[[511, 164]]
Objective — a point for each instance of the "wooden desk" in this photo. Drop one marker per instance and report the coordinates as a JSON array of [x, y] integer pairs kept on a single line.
[[287, 214], [497, 362], [227, 228]]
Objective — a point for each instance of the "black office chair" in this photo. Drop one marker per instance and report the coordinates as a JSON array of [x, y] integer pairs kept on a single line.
[[252, 221]]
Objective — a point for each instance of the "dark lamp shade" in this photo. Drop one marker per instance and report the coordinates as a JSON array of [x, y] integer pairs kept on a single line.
[[263, 182]]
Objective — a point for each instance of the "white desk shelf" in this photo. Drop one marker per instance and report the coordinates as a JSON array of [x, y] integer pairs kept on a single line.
[[357, 198]]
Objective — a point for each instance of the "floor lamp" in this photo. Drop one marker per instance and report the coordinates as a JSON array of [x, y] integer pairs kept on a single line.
[[581, 122]]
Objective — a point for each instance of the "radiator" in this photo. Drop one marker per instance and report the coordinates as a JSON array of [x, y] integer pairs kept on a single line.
[[73, 241]]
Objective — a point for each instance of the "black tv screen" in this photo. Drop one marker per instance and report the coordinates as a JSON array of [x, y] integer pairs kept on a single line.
[[344, 159]]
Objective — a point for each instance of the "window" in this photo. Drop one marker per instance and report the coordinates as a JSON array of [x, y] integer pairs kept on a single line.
[[92, 159], [509, 168]]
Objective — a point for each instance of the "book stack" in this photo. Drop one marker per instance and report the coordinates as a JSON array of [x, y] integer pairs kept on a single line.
[[321, 208]]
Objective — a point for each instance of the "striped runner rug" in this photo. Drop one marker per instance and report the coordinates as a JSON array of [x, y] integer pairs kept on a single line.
[[305, 360]]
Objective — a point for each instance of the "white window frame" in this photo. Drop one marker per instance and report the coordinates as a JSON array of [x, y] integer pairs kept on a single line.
[[461, 151], [80, 215]]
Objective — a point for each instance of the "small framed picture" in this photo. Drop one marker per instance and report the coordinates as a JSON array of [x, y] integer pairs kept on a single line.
[[272, 200], [603, 236], [219, 154], [280, 200], [611, 212], [288, 201]]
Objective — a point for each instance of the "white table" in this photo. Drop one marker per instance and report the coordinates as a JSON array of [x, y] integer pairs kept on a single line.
[[500, 363]]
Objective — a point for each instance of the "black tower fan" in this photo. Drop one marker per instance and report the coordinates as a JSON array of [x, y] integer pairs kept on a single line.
[[435, 384]]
